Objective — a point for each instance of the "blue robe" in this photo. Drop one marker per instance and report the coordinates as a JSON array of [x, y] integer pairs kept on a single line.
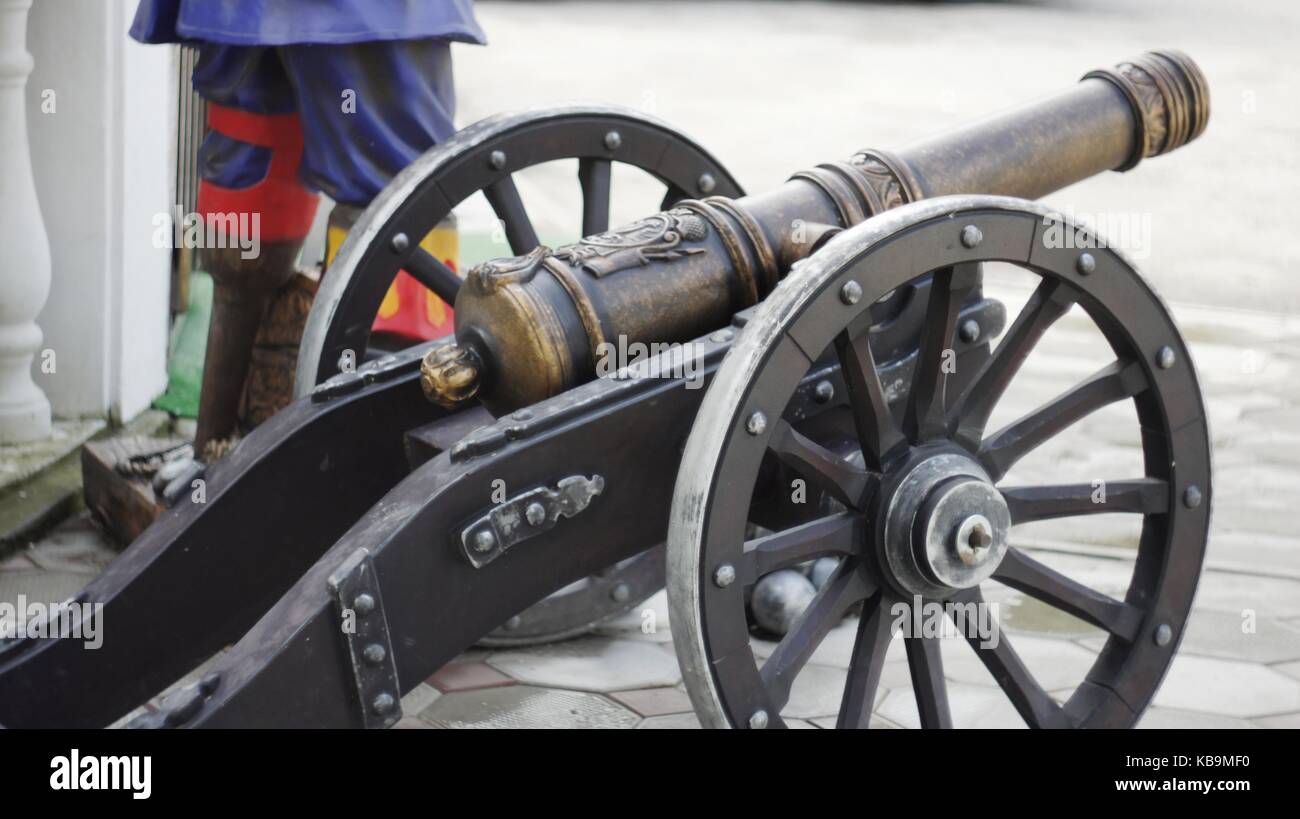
[[320, 22]]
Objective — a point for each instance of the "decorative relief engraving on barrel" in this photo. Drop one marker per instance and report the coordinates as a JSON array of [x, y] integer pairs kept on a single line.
[[490, 276], [882, 180], [655, 238], [1152, 102]]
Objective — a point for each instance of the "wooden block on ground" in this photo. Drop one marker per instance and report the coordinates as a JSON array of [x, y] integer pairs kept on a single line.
[[125, 505]]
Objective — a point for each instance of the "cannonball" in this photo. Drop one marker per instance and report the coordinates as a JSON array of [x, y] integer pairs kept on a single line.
[[821, 571], [779, 598]]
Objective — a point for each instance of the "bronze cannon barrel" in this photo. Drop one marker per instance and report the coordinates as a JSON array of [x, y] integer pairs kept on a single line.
[[532, 326]]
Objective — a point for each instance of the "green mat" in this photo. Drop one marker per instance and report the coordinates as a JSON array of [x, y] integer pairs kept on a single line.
[[185, 359]]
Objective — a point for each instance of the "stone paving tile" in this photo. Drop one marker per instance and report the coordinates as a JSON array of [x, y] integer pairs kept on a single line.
[[670, 722], [654, 702], [1253, 545], [1055, 663], [1281, 721], [816, 692], [1219, 634], [972, 706], [592, 664], [648, 622], [1267, 596], [524, 706], [409, 722], [1227, 687], [1173, 718], [419, 698], [462, 676], [877, 722]]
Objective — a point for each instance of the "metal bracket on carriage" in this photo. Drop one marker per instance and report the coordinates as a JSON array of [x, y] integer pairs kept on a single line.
[[371, 372], [180, 706], [365, 627], [526, 516]]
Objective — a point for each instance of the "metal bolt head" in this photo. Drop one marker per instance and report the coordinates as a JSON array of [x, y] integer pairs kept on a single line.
[[1163, 634], [706, 183], [374, 653], [613, 140], [1165, 358], [400, 242], [620, 593], [851, 292], [969, 331], [1086, 264], [484, 541], [756, 424], [722, 337], [758, 720], [824, 391], [724, 575], [363, 604], [1192, 496], [971, 236], [383, 703], [535, 513], [972, 540], [497, 160]]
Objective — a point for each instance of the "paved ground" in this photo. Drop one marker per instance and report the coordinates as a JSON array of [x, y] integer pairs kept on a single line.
[[772, 87]]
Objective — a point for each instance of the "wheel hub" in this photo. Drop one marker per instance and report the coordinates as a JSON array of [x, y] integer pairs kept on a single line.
[[945, 526]]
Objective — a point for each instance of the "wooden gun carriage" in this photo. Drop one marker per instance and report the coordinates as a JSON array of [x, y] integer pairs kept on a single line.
[[839, 334]]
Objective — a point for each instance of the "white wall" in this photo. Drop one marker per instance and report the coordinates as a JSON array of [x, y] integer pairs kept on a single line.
[[103, 163]]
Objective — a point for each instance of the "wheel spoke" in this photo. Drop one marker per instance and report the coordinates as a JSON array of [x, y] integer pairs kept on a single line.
[[1144, 496], [878, 433], [429, 271], [868, 659], [1051, 300], [1033, 703], [594, 176], [1020, 571], [830, 473], [950, 289], [843, 588], [926, 665], [836, 535], [503, 196], [1112, 383], [672, 196]]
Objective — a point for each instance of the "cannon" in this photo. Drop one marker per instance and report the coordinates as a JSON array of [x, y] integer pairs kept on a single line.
[[833, 331]]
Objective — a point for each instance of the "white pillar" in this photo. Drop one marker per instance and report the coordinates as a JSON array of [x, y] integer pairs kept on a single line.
[[24, 247]]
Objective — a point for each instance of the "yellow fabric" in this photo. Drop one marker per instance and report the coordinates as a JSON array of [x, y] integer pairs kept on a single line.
[[443, 242]]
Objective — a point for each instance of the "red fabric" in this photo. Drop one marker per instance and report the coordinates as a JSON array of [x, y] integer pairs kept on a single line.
[[286, 208]]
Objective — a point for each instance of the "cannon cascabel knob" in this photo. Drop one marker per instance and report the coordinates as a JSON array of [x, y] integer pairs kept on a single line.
[[450, 375]]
